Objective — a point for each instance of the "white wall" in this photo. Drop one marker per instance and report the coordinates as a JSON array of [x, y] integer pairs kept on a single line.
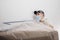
[[12, 10]]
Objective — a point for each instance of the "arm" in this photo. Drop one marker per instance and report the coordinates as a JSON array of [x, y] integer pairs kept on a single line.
[[46, 23]]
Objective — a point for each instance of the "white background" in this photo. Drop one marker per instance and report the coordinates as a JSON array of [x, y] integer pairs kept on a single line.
[[15, 10]]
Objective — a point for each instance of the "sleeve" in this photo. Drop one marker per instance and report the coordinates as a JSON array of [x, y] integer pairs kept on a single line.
[[47, 23]]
